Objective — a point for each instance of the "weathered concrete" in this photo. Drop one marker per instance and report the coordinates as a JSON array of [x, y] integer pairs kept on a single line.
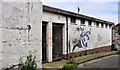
[[20, 31], [88, 37]]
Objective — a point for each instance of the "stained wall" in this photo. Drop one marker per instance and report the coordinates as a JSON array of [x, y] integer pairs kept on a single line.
[[20, 31], [85, 37]]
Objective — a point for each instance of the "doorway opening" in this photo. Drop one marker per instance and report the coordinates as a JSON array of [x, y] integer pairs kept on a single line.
[[57, 40], [44, 43]]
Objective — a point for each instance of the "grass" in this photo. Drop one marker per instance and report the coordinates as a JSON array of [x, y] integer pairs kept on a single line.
[[70, 66], [118, 52]]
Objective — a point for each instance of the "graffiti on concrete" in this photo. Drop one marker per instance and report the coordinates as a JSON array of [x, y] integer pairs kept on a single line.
[[84, 37], [50, 30], [104, 42], [50, 43], [101, 41], [99, 38]]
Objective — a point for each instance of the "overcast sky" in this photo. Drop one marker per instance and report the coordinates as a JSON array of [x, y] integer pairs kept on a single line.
[[102, 9]]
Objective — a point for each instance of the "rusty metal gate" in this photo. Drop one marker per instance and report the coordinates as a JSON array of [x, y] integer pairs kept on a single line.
[[57, 41], [44, 45]]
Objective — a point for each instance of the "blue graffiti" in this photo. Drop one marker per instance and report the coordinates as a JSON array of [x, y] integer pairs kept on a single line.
[[77, 29], [99, 38], [83, 35]]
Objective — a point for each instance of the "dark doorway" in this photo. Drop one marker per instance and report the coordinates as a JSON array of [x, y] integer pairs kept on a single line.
[[57, 41], [44, 45]]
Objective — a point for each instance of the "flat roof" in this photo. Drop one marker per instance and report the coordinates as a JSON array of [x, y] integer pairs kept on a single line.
[[72, 14]]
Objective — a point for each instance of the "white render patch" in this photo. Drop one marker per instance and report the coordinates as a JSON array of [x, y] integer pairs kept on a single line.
[[19, 24]]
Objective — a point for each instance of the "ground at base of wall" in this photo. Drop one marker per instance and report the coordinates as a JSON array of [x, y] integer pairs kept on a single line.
[[80, 59], [86, 52]]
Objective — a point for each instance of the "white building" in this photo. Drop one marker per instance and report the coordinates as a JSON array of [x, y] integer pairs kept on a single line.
[[50, 33], [78, 33]]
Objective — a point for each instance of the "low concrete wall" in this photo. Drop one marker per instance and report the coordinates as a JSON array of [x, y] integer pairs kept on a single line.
[[90, 51]]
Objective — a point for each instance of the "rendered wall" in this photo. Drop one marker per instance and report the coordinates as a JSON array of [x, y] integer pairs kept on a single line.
[[20, 31], [87, 37], [58, 19]]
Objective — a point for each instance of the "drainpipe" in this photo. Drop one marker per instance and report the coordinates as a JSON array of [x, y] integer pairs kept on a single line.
[[113, 45], [67, 35], [112, 39]]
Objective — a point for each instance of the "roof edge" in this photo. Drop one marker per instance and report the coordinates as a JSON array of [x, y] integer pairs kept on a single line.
[[69, 13]]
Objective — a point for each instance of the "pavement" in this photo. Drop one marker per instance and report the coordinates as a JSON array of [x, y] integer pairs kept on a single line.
[[105, 62], [87, 59]]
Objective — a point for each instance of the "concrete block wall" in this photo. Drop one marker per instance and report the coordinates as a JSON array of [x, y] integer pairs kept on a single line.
[[20, 31]]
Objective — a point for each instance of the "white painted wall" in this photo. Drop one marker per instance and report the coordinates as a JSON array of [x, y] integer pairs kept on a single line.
[[99, 37], [103, 34], [16, 40], [47, 16], [0, 35], [58, 19]]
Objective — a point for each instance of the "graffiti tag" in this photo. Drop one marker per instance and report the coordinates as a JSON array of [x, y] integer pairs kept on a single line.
[[84, 36], [99, 38], [50, 43]]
